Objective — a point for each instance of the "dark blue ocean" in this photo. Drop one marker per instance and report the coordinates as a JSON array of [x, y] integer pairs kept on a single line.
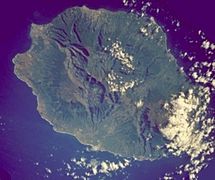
[[28, 144]]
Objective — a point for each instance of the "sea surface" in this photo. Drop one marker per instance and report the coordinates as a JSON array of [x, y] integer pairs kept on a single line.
[[28, 144]]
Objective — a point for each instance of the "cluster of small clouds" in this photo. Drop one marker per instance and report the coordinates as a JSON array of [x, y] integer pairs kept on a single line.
[[116, 83], [133, 4], [95, 167], [129, 2], [189, 128], [150, 29], [119, 53], [204, 72], [89, 167], [206, 44]]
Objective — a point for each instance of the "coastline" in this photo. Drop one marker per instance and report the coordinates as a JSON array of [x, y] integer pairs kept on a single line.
[[41, 109]]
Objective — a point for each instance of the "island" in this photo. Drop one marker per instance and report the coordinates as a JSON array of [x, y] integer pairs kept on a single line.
[[109, 79]]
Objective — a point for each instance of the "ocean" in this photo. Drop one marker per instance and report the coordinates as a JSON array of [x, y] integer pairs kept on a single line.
[[29, 147]]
